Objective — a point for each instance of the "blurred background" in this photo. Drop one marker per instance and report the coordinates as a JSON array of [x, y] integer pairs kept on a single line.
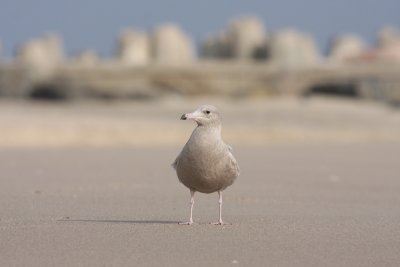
[[91, 93], [112, 72]]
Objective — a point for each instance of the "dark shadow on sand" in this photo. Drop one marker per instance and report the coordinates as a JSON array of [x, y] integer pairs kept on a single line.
[[119, 221]]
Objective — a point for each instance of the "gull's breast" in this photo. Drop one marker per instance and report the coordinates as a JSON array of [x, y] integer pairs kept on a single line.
[[206, 172]]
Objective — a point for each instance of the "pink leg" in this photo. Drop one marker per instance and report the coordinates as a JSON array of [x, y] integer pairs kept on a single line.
[[191, 209], [220, 222]]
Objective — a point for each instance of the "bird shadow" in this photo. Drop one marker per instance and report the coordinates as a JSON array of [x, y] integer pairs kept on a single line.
[[118, 221]]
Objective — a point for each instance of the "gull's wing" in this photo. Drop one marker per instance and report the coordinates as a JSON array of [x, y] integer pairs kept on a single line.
[[233, 161], [175, 163]]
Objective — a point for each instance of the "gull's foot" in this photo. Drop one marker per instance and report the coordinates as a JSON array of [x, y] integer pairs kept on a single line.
[[220, 223], [185, 223]]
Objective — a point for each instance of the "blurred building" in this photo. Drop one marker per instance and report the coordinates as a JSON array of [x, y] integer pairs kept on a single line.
[[388, 37], [387, 49], [165, 62], [292, 48], [244, 38], [171, 46], [346, 47], [246, 35], [133, 48], [216, 46], [41, 55], [87, 58]]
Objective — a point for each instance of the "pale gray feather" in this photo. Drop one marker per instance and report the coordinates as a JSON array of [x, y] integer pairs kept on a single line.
[[206, 164]]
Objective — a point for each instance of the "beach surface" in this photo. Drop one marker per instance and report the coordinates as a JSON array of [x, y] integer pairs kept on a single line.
[[304, 199]]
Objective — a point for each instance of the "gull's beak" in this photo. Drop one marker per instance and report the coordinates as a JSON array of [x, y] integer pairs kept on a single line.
[[191, 116]]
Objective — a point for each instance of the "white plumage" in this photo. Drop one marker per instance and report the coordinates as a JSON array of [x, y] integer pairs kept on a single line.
[[206, 164]]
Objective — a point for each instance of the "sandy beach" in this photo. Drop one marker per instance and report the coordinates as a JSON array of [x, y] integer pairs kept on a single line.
[[77, 189], [156, 123]]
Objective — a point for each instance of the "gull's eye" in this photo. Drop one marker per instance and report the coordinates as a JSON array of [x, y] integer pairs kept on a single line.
[[207, 112]]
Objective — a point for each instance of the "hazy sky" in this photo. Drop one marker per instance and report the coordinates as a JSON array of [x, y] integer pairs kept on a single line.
[[96, 23]]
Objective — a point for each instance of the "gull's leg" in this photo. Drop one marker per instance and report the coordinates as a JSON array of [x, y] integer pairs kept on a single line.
[[220, 222], [191, 209]]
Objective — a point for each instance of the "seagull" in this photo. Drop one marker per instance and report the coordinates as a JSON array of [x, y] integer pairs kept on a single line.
[[206, 164]]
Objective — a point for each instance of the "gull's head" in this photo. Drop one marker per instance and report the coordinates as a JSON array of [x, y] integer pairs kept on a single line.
[[204, 116]]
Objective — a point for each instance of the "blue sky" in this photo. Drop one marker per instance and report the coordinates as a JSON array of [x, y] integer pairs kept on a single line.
[[96, 23]]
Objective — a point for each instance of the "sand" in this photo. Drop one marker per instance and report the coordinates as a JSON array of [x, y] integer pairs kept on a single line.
[[296, 205], [90, 184], [156, 123]]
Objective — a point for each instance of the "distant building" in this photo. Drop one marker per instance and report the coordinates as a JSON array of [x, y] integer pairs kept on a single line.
[[387, 49], [292, 48], [242, 40], [133, 48], [246, 35], [388, 37], [217, 46], [346, 47], [41, 55], [171, 46], [87, 58]]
